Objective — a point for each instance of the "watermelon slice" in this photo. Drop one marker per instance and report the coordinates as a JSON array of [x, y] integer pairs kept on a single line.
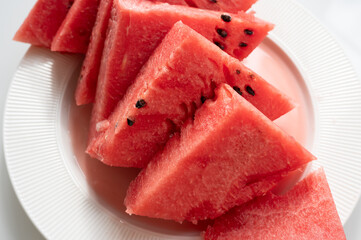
[[42, 23], [136, 29], [230, 154], [181, 73], [85, 91], [305, 212], [74, 33]]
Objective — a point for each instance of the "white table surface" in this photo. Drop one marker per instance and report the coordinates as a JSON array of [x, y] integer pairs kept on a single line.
[[341, 17]]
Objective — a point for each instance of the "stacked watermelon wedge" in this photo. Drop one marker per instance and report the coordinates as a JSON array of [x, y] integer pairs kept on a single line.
[[171, 96]]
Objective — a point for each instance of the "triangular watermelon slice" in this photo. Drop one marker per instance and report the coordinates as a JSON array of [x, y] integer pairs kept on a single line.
[[136, 29], [230, 154], [74, 33], [306, 212], [42, 23], [182, 72], [85, 91]]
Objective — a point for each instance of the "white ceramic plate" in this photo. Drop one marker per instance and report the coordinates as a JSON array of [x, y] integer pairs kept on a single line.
[[70, 197]]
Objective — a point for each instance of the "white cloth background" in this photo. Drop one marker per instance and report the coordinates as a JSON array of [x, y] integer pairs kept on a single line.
[[341, 17]]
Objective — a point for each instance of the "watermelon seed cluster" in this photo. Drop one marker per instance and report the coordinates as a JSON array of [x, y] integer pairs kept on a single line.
[[223, 33]]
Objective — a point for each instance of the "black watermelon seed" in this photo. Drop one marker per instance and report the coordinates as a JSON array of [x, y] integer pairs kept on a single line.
[[223, 33], [116, 125], [238, 71], [220, 45], [226, 17], [238, 90], [243, 44], [250, 90], [248, 32], [251, 76], [213, 1], [130, 122], [140, 103], [203, 99]]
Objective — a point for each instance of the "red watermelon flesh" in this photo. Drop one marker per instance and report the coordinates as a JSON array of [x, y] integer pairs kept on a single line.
[[182, 72], [74, 33], [42, 23], [85, 91], [228, 155], [136, 29], [306, 212]]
